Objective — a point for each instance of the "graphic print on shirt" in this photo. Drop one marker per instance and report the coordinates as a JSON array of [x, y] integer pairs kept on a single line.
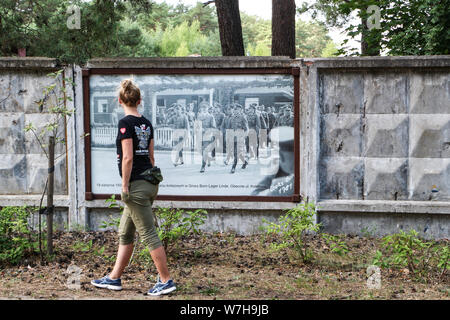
[[143, 135]]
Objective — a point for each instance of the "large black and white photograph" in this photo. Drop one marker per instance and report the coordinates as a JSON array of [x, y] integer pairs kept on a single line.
[[214, 135]]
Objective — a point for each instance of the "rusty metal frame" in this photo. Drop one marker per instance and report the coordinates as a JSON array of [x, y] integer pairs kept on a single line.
[[295, 72]]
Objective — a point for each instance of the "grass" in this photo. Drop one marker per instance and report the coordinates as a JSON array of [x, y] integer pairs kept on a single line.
[[220, 266]]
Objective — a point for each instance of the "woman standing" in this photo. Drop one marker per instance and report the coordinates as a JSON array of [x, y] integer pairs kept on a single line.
[[135, 155]]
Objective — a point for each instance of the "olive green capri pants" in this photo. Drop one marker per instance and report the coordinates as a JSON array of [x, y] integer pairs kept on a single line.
[[138, 214]]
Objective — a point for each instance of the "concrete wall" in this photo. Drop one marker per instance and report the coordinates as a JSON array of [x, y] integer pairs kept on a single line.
[[381, 129], [374, 143], [23, 165]]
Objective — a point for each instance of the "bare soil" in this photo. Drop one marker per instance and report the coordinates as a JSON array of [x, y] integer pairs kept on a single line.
[[216, 266]]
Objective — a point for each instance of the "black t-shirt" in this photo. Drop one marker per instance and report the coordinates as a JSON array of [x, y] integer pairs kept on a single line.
[[141, 131]]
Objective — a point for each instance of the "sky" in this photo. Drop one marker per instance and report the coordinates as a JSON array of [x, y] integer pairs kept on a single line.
[[263, 9]]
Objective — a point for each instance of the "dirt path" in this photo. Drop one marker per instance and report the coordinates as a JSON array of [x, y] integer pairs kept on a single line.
[[214, 266]]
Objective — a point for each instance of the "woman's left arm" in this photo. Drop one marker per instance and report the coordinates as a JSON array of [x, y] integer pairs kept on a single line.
[[127, 163]]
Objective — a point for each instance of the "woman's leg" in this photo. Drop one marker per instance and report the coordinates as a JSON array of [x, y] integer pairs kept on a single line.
[[160, 260], [123, 257], [127, 230], [142, 194]]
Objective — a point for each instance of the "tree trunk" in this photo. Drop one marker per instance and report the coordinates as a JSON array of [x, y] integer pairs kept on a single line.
[[370, 40], [230, 28], [51, 170], [283, 28]]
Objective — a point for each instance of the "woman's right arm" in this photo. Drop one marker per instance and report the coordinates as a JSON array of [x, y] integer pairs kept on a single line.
[[151, 153]]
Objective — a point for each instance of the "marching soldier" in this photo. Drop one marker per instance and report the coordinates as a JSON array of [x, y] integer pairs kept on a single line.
[[219, 116], [177, 122], [271, 119], [239, 130], [226, 125], [208, 122], [254, 124]]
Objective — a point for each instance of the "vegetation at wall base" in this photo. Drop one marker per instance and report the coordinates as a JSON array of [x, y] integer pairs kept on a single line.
[[292, 228], [220, 265], [17, 239], [407, 251], [172, 224]]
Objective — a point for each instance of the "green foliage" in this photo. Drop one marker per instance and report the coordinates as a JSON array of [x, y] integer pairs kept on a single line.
[[330, 50], [16, 237], [112, 222], [54, 102], [82, 246], [311, 39], [257, 35], [136, 28], [174, 224], [336, 244], [407, 250], [417, 27], [407, 27], [182, 40], [293, 227]]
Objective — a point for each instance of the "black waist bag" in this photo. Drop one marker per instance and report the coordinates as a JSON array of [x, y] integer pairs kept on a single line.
[[153, 175]]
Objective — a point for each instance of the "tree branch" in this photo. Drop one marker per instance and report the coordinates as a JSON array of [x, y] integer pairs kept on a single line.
[[208, 3]]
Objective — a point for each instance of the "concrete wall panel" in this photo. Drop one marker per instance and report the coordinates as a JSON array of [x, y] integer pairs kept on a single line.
[[380, 224], [386, 136], [430, 136], [23, 165], [341, 135], [386, 179], [341, 177], [12, 136], [426, 175], [385, 93], [341, 93], [13, 179], [430, 92]]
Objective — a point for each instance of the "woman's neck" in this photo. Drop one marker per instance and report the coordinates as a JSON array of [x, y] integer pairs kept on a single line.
[[131, 111]]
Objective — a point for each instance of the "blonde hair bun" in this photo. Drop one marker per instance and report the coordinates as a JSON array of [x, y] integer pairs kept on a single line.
[[129, 93]]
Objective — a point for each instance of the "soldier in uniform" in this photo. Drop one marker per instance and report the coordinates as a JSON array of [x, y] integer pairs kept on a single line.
[[254, 124], [286, 118], [282, 182], [226, 125], [160, 117], [208, 122], [262, 111], [239, 130], [271, 119], [219, 116], [177, 122], [190, 114]]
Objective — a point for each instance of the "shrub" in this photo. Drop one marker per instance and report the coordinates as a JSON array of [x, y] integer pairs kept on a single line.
[[293, 227], [336, 244], [407, 250], [171, 223], [175, 223], [112, 222], [16, 237]]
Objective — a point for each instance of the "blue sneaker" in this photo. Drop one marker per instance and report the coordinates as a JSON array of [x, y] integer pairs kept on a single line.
[[108, 283], [162, 288]]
